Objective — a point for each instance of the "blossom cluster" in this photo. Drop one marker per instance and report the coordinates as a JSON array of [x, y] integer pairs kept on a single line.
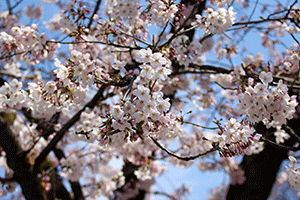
[[186, 50], [66, 23], [157, 12], [40, 103], [29, 46], [145, 111], [293, 173], [72, 169], [216, 21], [291, 61], [193, 144], [46, 98], [271, 105], [234, 138], [154, 169], [9, 20], [5, 41], [162, 11], [80, 68], [281, 135], [128, 10], [34, 13], [12, 94], [220, 3], [291, 29], [107, 178], [155, 66], [87, 126], [144, 108]]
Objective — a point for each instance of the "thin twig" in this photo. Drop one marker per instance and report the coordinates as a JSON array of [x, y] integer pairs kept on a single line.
[[95, 12], [164, 194], [289, 131], [295, 39], [185, 158], [8, 6], [261, 21], [95, 42], [183, 25], [60, 134], [280, 145], [253, 10], [289, 10], [129, 87], [205, 127], [160, 35]]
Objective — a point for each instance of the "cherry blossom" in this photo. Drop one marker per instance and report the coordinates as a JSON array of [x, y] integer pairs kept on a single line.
[[293, 173], [99, 101], [216, 21], [272, 107]]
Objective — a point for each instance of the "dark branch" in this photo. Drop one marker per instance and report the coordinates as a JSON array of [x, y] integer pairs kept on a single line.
[[95, 12], [211, 68], [16, 160], [185, 158], [77, 190], [60, 134], [290, 131], [280, 146]]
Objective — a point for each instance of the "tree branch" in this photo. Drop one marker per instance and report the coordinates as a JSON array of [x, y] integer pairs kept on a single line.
[[77, 191], [95, 12], [7, 180], [60, 134], [290, 131], [211, 68], [185, 158], [280, 146], [16, 160]]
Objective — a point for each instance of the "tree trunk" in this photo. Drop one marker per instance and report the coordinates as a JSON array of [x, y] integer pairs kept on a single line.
[[16, 160]]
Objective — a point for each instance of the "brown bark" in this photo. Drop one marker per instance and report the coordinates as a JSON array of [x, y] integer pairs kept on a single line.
[[16, 160]]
